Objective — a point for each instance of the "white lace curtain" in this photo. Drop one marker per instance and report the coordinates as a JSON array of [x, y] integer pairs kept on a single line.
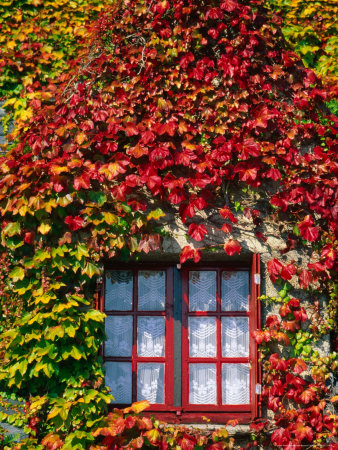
[[150, 382], [203, 386]]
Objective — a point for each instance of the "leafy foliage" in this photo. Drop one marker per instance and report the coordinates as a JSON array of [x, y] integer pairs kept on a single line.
[[175, 106], [38, 40], [311, 29]]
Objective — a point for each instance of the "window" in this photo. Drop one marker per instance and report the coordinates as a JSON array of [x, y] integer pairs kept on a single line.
[[181, 338]]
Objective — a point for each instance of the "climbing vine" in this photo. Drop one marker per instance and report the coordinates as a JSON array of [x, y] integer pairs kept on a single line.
[[38, 42], [175, 109], [311, 29]]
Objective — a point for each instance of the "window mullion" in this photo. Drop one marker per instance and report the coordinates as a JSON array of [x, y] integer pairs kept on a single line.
[[219, 340], [134, 349]]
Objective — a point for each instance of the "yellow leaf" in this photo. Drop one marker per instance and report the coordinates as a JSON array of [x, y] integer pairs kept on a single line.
[[44, 228], [110, 218], [137, 407], [80, 138], [156, 214], [11, 44]]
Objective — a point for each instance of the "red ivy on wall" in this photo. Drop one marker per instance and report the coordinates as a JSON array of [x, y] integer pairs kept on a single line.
[[176, 103]]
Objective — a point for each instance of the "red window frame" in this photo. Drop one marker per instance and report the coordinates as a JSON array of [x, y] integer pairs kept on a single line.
[[186, 413], [135, 359], [243, 411]]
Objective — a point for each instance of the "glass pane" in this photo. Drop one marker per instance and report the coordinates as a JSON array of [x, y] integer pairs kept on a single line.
[[235, 336], [150, 336], [151, 290], [202, 291], [202, 384], [202, 337], [118, 378], [150, 382], [235, 384], [119, 331], [235, 291], [119, 290]]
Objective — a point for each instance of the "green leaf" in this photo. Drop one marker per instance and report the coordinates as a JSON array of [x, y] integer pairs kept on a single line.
[[17, 274], [12, 228], [91, 270], [93, 314], [97, 197], [80, 251]]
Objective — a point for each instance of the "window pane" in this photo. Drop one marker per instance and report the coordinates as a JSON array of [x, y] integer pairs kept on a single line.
[[235, 291], [202, 384], [235, 384], [150, 382], [119, 331], [235, 337], [119, 290], [202, 291], [151, 290], [150, 336], [202, 337], [118, 378]]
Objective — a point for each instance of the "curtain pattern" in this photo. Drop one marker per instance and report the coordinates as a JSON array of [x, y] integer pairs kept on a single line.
[[235, 384], [119, 331], [202, 290], [150, 336], [118, 378], [202, 384], [235, 337], [119, 290], [235, 291], [150, 382], [202, 337], [151, 290]]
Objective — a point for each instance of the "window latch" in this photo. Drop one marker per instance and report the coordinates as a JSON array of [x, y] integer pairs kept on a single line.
[[257, 278]]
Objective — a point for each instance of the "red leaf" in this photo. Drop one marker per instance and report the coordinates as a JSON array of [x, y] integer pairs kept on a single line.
[[300, 314], [272, 322], [280, 437], [284, 310], [299, 366], [291, 325], [294, 303], [130, 422], [229, 5], [187, 442], [148, 137], [100, 115], [278, 363], [29, 237], [274, 174], [214, 13], [190, 253], [274, 267], [197, 232], [227, 214], [186, 59], [303, 432], [232, 247], [305, 278], [287, 272], [227, 228], [306, 229], [82, 181], [260, 336], [74, 223], [131, 129]]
